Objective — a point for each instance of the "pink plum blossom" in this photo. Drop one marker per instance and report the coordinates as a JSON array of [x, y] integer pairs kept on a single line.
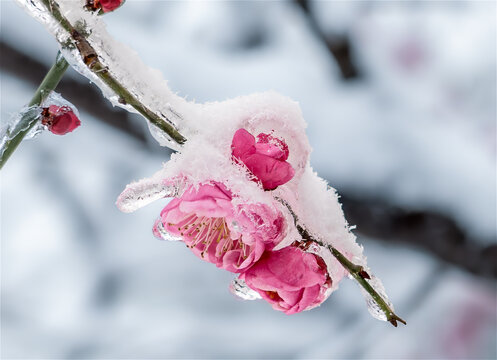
[[289, 279], [264, 158], [231, 237]]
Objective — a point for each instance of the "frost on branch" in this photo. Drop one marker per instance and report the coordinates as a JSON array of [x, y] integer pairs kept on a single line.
[[19, 122], [123, 64]]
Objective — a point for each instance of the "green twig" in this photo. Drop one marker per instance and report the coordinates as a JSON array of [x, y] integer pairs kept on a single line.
[[30, 118], [357, 271]]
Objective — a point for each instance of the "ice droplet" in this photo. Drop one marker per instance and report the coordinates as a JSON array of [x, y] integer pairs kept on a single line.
[[19, 122], [166, 235], [140, 194], [239, 288], [54, 98], [234, 226], [35, 131], [373, 308], [162, 138], [314, 249]]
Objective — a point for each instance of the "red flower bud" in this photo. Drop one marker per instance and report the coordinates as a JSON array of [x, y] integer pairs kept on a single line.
[[60, 119], [105, 5]]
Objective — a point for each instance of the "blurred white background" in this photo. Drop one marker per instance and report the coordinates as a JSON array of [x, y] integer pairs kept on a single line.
[[400, 98]]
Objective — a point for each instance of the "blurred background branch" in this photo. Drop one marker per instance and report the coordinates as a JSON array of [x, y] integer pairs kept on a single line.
[[337, 44]]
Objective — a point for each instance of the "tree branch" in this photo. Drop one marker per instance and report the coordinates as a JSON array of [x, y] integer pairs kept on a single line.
[[92, 61]]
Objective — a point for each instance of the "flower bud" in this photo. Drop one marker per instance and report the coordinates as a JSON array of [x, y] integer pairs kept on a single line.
[[265, 158], [105, 5], [60, 119]]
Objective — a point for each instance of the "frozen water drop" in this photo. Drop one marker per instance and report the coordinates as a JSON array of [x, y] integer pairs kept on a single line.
[[35, 131], [314, 248], [373, 308], [163, 234], [162, 138], [239, 288], [234, 226]]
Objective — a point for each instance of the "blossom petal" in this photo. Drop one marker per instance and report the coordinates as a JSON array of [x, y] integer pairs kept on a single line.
[[269, 171], [243, 144]]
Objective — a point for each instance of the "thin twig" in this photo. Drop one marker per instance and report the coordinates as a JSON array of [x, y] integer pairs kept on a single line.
[[357, 271]]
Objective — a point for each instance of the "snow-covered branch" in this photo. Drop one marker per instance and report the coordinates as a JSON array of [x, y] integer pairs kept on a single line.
[[114, 68]]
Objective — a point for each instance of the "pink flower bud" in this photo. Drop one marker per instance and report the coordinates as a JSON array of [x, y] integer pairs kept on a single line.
[[266, 158], [105, 5], [60, 119], [110, 5]]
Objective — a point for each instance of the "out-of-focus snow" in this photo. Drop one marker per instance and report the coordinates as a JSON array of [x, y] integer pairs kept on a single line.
[[429, 105], [80, 279]]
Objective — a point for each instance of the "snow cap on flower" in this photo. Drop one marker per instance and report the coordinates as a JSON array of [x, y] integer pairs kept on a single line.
[[232, 237], [207, 155], [290, 279], [60, 120]]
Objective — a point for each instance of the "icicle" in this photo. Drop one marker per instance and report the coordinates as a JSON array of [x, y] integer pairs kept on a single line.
[[239, 288], [142, 193]]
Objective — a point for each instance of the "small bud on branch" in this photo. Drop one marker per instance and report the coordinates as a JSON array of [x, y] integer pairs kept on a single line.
[[60, 120]]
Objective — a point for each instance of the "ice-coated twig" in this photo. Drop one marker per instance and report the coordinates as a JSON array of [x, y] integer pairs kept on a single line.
[[357, 271], [29, 119], [91, 59]]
